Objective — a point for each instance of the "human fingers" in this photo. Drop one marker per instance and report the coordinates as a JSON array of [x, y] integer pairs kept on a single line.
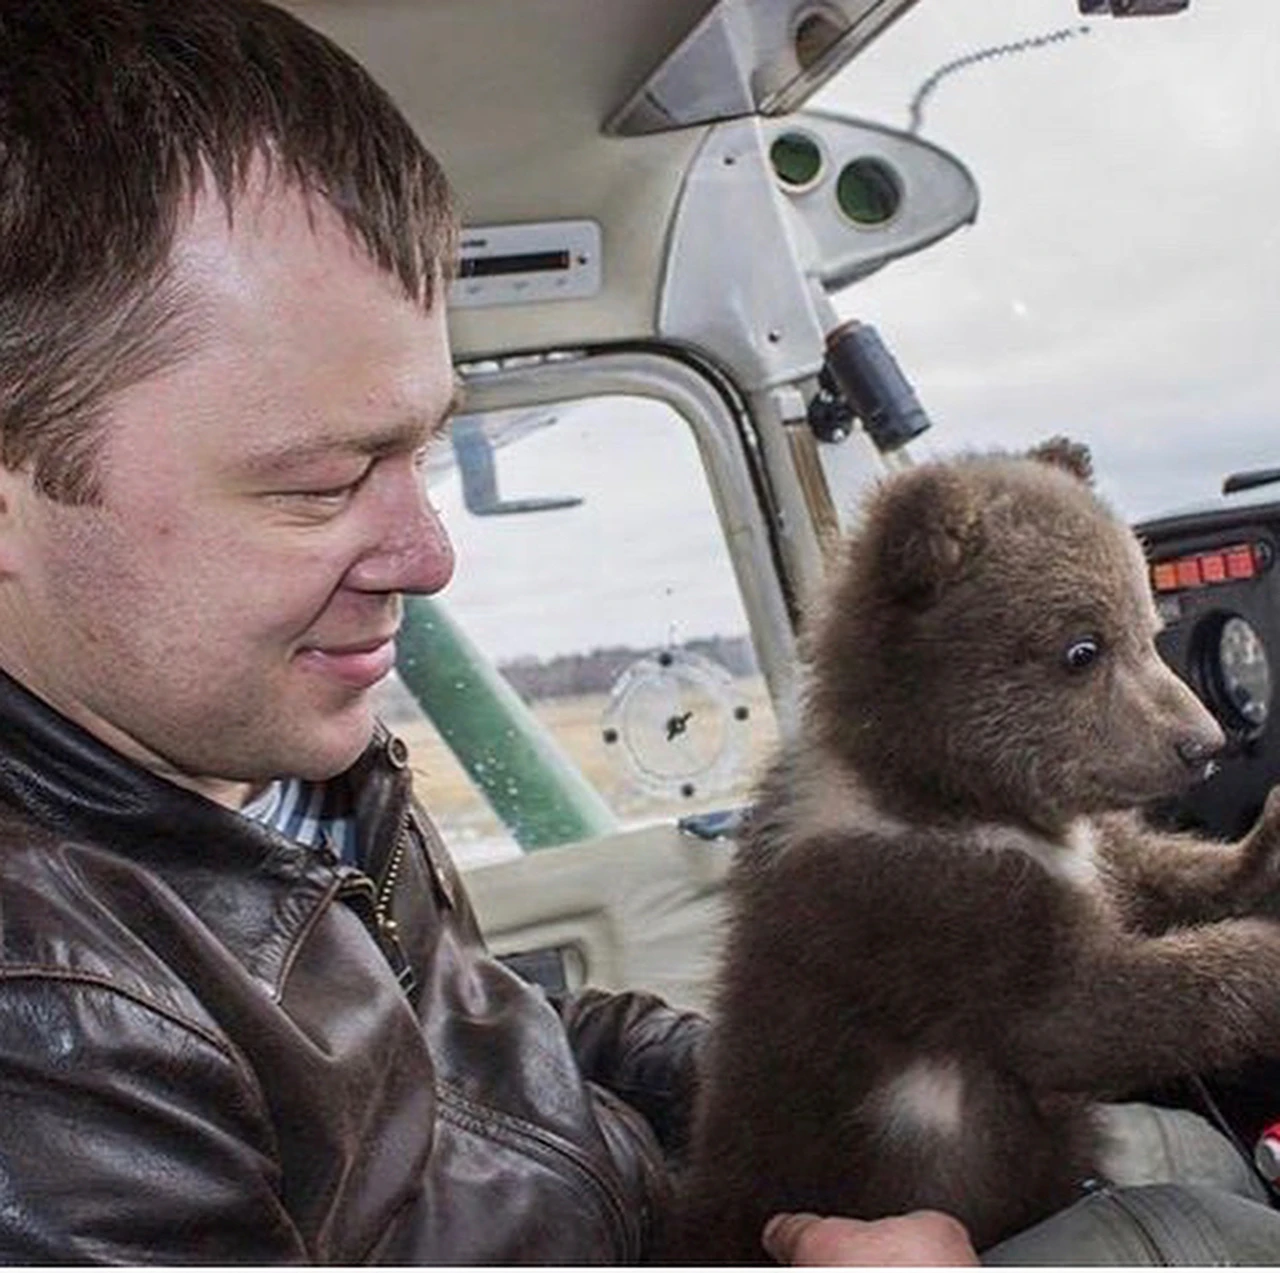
[[920, 1238]]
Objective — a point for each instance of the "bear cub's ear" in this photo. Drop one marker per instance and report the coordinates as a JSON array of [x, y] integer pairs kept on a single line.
[[1063, 453], [929, 527]]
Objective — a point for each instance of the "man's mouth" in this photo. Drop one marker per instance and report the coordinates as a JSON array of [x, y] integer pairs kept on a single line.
[[358, 664]]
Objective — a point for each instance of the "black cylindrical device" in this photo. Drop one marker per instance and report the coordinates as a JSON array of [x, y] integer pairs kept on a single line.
[[874, 385]]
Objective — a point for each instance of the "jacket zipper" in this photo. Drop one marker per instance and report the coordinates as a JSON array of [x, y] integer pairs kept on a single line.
[[356, 886], [494, 1123], [386, 889]]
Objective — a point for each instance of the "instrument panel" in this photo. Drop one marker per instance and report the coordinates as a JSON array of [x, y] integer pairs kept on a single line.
[[1218, 591]]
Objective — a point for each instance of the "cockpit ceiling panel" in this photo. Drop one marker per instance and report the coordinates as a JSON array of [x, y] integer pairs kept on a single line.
[[754, 57]]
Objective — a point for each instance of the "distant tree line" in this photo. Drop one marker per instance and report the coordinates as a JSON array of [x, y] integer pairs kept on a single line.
[[568, 675]]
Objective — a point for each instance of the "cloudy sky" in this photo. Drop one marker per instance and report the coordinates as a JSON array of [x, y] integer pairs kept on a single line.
[[1120, 283]]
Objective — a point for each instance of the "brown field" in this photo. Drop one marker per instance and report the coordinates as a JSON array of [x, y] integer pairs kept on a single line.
[[472, 829]]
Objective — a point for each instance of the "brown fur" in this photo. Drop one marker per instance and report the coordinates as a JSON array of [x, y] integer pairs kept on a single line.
[[949, 936]]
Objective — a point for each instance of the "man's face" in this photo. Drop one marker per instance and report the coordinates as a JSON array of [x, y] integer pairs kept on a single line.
[[222, 615]]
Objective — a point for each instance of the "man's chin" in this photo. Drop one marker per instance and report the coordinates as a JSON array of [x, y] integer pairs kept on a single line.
[[336, 745]]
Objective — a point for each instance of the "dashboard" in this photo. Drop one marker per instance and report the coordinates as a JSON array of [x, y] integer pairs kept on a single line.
[[1217, 588]]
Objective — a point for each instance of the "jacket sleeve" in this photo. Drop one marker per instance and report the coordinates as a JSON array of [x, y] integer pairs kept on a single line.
[[128, 1136], [642, 1050]]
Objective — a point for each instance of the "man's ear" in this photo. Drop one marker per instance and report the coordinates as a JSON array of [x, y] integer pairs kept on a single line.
[[1063, 453], [925, 529]]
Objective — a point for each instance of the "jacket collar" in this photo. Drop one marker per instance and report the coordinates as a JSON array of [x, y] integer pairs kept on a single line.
[[64, 778]]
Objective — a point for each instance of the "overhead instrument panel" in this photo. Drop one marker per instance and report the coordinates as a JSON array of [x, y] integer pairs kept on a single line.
[[864, 193], [750, 57], [538, 261], [775, 212]]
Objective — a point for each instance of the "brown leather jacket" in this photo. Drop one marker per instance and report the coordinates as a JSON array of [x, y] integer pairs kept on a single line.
[[217, 1047]]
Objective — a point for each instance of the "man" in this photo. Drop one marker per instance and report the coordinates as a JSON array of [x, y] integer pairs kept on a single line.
[[245, 1012], [222, 357]]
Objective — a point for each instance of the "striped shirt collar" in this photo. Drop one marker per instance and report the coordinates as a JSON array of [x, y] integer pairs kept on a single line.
[[317, 814]]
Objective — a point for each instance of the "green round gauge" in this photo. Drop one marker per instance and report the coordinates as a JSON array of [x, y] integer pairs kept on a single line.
[[868, 191], [796, 160]]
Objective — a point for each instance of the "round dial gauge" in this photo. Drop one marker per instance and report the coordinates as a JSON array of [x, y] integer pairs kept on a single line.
[[1241, 673]]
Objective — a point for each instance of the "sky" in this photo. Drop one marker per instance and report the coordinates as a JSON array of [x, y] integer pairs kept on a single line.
[[1120, 285], [641, 562]]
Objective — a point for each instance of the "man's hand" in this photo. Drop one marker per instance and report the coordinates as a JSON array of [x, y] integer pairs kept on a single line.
[[919, 1238]]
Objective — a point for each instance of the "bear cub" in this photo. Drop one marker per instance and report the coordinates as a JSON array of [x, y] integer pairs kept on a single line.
[[950, 933]]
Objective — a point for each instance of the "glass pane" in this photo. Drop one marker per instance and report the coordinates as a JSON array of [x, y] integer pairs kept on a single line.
[[1119, 282], [593, 573]]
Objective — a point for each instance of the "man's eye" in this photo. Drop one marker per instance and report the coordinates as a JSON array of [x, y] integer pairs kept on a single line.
[[329, 496], [333, 495]]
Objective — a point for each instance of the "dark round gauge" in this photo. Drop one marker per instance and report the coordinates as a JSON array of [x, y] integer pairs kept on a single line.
[[797, 160], [1239, 674], [868, 191]]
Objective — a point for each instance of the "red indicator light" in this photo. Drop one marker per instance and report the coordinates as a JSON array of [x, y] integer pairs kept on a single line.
[[1188, 572], [1240, 563], [1213, 567], [1236, 561]]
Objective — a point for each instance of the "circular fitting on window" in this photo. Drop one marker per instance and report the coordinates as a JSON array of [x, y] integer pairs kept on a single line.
[[1236, 672], [796, 160], [675, 725], [868, 191]]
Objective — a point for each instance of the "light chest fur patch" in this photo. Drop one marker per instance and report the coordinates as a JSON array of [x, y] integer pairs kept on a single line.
[[828, 800], [1072, 859], [926, 1099]]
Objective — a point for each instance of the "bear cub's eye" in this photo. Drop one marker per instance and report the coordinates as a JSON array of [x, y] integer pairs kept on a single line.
[[1082, 653]]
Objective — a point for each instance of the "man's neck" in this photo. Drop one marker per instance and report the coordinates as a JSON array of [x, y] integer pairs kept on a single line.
[[231, 795]]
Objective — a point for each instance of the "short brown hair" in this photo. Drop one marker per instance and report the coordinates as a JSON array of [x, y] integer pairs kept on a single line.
[[113, 115]]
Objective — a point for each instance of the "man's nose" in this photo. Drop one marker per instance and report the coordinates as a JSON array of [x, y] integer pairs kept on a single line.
[[412, 551]]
